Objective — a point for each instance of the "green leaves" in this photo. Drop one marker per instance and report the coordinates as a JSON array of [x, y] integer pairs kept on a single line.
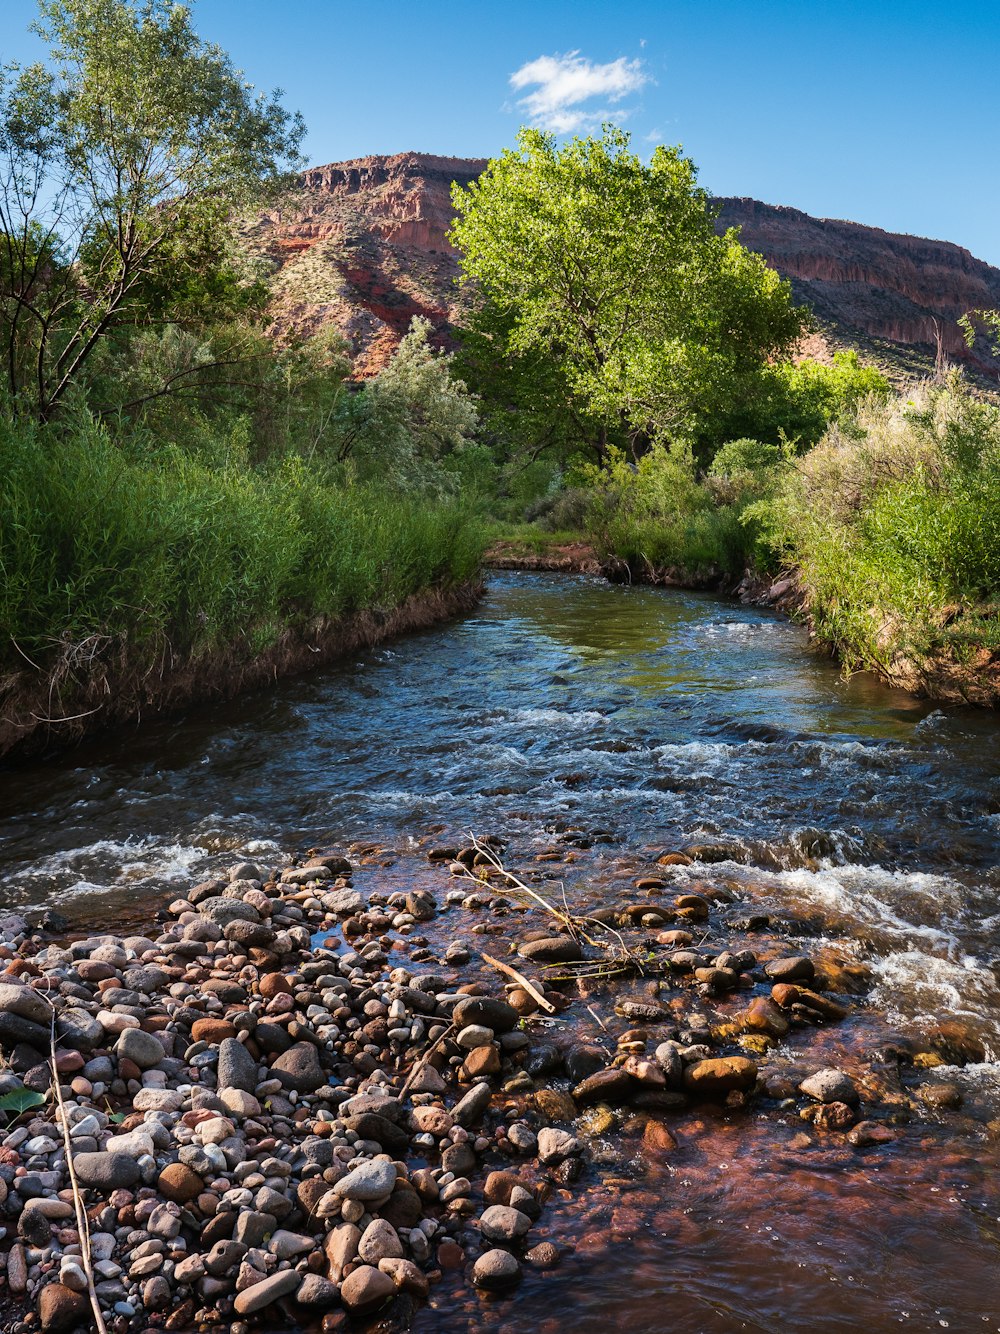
[[612, 269], [126, 154], [21, 1100]]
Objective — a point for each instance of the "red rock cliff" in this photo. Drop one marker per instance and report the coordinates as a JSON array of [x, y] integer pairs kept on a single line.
[[361, 245]]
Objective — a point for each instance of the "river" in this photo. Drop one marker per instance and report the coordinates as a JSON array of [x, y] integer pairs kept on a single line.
[[649, 720]]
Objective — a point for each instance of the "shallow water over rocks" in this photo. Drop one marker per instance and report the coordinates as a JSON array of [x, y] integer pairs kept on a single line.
[[618, 724]]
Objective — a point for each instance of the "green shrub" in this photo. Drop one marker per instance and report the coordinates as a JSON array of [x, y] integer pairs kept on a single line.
[[895, 524]]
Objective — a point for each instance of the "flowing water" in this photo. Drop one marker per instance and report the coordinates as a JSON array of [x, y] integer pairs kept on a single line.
[[650, 720]]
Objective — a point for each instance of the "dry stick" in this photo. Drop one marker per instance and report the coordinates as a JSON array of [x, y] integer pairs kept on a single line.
[[522, 981], [82, 1223], [423, 1060]]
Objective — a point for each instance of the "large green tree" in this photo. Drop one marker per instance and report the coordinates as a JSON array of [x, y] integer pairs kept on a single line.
[[121, 160], [612, 267]]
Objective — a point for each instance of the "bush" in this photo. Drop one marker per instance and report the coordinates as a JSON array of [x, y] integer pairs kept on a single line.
[[896, 526]]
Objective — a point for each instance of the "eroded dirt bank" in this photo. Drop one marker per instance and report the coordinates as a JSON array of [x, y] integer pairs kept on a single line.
[[103, 689]]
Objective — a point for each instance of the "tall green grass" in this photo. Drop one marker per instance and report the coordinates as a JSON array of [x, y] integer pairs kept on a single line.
[[162, 551]]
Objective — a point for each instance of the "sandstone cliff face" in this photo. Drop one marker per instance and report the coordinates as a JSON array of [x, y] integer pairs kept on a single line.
[[361, 246], [901, 289]]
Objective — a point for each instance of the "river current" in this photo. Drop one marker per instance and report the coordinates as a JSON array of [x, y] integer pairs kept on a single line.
[[651, 720]]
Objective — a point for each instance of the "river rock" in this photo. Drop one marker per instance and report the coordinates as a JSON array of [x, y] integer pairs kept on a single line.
[[282, 1284], [142, 1049], [551, 949], [613, 1085], [470, 1109], [554, 1145], [179, 1183], [496, 1270], [15, 999], [796, 968], [763, 1016], [317, 1293], [501, 1223], [236, 1069], [365, 1289], [373, 1180], [379, 1241], [487, 1012], [830, 1086], [106, 1171], [60, 1308], [716, 1077], [299, 1068]]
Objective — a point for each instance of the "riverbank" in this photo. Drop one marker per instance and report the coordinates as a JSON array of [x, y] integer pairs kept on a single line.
[[114, 693], [311, 1092]]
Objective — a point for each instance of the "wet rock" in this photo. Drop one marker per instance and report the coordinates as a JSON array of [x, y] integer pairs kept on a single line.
[[940, 1095], [830, 1115], [612, 1085], [554, 1104], [583, 1060], [657, 1139], [867, 1133], [763, 1016], [796, 968], [714, 1078], [487, 1012], [495, 1270], [830, 1086], [552, 949], [543, 1256]]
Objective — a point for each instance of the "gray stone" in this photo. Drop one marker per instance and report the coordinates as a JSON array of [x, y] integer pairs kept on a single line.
[[223, 911], [106, 1171], [500, 1223], [830, 1086], [15, 999], [554, 1145], [142, 1049], [496, 1269], [237, 1069], [373, 1180], [470, 1109], [317, 1292], [299, 1068], [79, 1030]]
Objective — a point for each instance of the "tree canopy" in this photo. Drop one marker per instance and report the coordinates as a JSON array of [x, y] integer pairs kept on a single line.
[[612, 269], [121, 159]]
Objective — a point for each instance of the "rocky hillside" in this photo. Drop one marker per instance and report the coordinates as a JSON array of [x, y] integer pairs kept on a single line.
[[361, 245]]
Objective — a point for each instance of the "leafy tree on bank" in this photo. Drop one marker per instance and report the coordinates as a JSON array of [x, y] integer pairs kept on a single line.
[[120, 163], [613, 269]]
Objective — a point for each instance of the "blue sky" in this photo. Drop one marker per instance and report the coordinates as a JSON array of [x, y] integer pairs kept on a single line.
[[887, 114]]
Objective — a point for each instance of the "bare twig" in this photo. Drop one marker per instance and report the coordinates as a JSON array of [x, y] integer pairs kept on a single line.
[[522, 981], [82, 1223]]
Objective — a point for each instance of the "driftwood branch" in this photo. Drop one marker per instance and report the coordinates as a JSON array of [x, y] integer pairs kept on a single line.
[[521, 981], [82, 1223]]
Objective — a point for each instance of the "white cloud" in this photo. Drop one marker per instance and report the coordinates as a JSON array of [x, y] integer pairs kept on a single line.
[[562, 83]]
